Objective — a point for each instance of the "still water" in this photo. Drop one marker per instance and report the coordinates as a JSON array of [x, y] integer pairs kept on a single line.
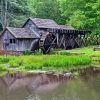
[[49, 87]]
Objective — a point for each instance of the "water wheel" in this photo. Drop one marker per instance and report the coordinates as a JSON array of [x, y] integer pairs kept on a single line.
[[47, 41], [34, 45]]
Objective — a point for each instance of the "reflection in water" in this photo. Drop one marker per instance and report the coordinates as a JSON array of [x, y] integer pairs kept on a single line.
[[49, 87]]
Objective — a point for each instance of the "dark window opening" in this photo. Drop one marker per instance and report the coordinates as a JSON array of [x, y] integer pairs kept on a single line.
[[12, 41], [1, 27]]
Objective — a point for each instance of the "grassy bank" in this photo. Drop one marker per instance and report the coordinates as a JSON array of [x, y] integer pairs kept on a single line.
[[61, 60], [45, 61], [86, 51]]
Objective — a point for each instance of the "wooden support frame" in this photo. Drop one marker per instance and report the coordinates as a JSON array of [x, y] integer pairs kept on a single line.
[[66, 39], [51, 45]]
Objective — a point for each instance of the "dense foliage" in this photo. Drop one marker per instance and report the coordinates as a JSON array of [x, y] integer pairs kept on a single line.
[[82, 14]]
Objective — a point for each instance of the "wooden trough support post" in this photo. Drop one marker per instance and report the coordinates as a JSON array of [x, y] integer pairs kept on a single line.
[[51, 45], [82, 40], [98, 39], [61, 42], [57, 35], [85, 38], [76, 38]]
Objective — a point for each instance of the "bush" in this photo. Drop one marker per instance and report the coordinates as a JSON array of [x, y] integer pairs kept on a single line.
[[27, 52], [4, 59], [15, 63], [64, 53], [3, 68]]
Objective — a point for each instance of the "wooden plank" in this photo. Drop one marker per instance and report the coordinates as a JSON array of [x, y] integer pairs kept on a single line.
[[51, 45], [61, 42]]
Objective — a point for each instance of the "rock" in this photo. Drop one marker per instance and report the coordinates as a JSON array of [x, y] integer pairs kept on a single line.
[[68, 74]]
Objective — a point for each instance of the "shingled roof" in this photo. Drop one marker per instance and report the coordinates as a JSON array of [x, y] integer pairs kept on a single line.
[[66, 27], [43, 22], [21, 32], [48, 23]]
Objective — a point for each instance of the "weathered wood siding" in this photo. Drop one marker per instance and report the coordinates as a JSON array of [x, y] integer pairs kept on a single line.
[[1, 44], [19, 45], [6, 41], [30, 25], [24, 44]]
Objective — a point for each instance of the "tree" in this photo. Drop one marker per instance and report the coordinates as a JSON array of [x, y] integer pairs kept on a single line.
[[78, 20], [18, 12], [82, 14], [4, 13], [48, 9]]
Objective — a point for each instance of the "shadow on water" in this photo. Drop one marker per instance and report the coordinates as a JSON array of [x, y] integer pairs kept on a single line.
[[30, 86]]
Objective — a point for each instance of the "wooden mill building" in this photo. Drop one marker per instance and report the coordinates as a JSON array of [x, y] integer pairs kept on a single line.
[[42, 33]]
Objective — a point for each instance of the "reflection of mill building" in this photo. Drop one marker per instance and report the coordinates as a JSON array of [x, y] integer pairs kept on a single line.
[[41, 33]]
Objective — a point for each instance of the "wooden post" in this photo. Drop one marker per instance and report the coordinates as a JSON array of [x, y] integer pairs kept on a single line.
[[57, 35]]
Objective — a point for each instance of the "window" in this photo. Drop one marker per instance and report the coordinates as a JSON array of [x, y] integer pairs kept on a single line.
[[12, 41]]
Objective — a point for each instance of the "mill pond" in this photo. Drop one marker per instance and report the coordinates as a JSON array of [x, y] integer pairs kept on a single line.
[[49, 87]]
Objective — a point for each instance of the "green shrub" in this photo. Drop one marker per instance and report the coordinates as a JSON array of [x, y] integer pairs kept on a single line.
[[17, 62], [13, 64], [27, 52], [4, 59], [3, 68], [64, 53]]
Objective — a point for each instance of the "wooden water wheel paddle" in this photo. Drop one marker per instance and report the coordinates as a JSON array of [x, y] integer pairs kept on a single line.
[[47, 41]]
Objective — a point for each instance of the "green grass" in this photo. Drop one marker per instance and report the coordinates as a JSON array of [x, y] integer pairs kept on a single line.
[[4, 59], [87, 50], [3, 70], [47, 61], [62, 60]]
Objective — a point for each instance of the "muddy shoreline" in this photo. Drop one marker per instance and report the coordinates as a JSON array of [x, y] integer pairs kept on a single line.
[[31, 84], [65, 74], [35, 81]]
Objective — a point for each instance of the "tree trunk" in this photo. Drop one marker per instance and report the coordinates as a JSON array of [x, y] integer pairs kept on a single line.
[[4, 13]]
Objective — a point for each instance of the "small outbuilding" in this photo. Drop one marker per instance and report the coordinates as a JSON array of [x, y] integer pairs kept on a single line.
[[17, 39]]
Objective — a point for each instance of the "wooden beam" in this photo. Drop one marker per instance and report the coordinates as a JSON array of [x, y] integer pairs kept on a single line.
[[57, 35], [51, 45], [61, 42]]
